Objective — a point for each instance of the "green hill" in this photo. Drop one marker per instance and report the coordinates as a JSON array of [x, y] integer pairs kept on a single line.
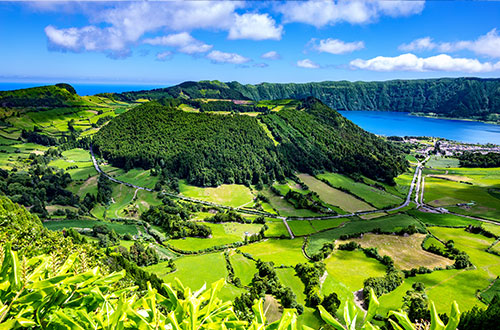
[[211, 149], [453, 97], [60, 95]]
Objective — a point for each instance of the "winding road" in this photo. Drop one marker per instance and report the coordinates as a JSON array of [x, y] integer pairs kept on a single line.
[[417, 180]]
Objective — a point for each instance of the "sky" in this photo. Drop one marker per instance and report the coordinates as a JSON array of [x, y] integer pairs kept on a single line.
[[167, 42]]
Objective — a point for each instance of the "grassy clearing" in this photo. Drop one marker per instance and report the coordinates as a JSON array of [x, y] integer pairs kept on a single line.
[[244, 268], [77, 155], [120, 228], [495, 229], [277, 229], [347, 271], [234, 195], [403, 182], [442, 287], [284, 208], [442, 162], [121, 198], [208, 268], [446, 193], [288, 278], [432, 241], [442, 219], [301, 227], [492, 291], [139, 177], [222, 234], [390, 223], [406, 252], [281, 252], [334, 196], [320, 225], [376, 197]]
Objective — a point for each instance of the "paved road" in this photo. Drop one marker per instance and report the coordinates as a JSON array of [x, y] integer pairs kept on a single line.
[[416, 175]]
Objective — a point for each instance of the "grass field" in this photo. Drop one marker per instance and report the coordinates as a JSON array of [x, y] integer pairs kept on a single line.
[[324, 224], [376, 197], [276, 229], [301, 227], [222, 234], [207, 267], [406, 252], [433, 241], [442, 219], [139, 177], [442, 162], [244, 268], [234, 195], [390, 223], [347, 271], [119, 228], [281, 252], [284, 208], [492, 291], [334, 196], [287, 278], [403, 182], [447, 193]]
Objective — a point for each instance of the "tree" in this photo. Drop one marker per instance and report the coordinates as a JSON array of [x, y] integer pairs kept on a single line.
[[416, 303]]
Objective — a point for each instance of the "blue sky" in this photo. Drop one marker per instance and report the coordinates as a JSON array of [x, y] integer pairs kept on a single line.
[[167, 42]]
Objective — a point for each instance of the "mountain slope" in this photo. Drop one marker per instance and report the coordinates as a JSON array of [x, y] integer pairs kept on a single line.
[[209, 149], [453, 97], [60, 95]]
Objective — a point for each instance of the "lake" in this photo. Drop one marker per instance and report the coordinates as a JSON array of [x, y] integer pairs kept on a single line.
[[404, 124]]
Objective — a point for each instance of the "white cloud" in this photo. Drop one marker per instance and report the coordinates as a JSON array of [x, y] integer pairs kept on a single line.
[[127, 22], [183, 41], [272, 55], [222, 57], [329, 12], [410, 62], [307, 63], [418, 45], [164, 56], [488, 45], [255, 27], [336, 46]]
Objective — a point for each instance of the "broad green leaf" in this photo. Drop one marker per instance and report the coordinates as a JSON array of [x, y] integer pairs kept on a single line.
[[454, 318], [373, 307], [436, 323], [329, 319], [403, 320]]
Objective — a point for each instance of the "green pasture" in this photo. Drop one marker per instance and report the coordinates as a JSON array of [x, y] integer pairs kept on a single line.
[[492, 291], [390, 223], [276, 229], [447, 194], [376, 197], [138, 177], [336, 197], [288, 278], [442, 162], [118, 227], [324, 224], [406, 251], [282, 252], [234, 195], [121, 196], [284, 208], [403, 182], [301, 227], [442, 219], [222, 234], [244, 268]]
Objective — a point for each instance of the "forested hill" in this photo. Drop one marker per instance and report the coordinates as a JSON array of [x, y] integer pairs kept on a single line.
[[453, 97], [60, 95], [211, 149]]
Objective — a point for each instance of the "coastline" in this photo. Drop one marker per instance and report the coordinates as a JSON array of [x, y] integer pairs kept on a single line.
[[424, 115]]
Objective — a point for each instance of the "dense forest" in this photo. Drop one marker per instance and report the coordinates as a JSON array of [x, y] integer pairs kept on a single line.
[[60, 95], [452, 97], [209, 149], [477, 159]]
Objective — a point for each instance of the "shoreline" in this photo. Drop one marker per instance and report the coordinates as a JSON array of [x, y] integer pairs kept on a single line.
[[420, 114]]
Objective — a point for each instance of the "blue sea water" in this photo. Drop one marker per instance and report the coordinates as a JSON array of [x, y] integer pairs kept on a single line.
[[85, 88], [404, 124]]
